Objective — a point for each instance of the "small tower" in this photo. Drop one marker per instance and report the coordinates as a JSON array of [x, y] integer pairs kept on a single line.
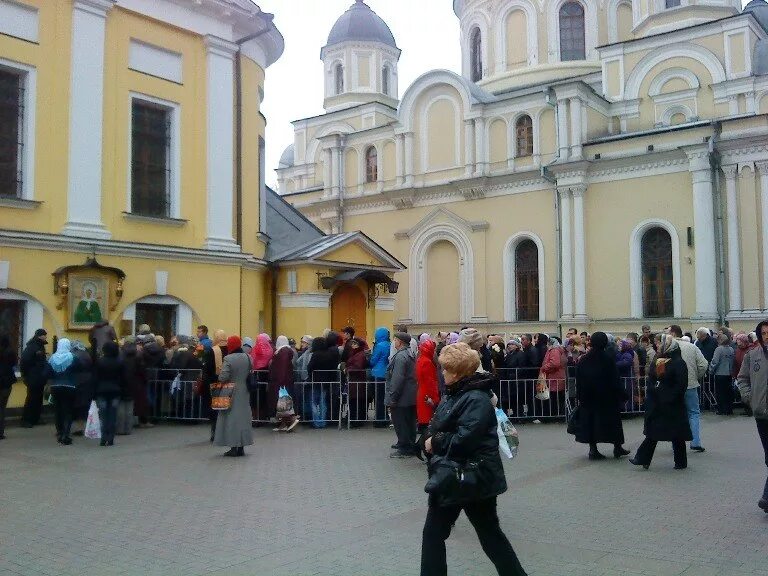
[[360, 60]]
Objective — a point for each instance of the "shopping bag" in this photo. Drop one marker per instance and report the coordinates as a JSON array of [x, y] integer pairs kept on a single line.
[[221, 395], [176, 383], [284, 403], [509, 441], [93, 424], [542, 388]]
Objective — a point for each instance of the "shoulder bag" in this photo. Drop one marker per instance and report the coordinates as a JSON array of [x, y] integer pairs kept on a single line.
[[221, 395]]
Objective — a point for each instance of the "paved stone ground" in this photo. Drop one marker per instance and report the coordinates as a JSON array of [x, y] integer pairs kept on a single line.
[[164, 502]]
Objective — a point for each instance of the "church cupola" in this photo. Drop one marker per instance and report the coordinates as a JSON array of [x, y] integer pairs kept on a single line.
[[360, 60]]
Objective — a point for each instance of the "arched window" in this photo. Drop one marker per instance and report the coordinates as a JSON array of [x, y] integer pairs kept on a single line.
[[371, 167], [338, 77], [527, 280], [658, 279], [385, 80], [572, 44], [476, 55], [524, 136]]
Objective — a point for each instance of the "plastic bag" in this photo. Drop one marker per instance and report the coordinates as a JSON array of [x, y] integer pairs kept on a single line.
[[509, 441], [284, 404], [176, 384], [93, 425]]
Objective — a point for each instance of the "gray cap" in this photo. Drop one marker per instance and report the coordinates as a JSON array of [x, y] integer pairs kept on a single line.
[[404, 337]]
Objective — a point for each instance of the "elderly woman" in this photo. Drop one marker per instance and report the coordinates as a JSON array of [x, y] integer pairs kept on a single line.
[[281, 376], [720, 368], [600, 395], [213, 360], [64, 368], [233, 426], [553, 369], [463, 429], [666, 418]]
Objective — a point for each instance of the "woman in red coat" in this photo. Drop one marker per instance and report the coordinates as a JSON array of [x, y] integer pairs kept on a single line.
[[427, 395]]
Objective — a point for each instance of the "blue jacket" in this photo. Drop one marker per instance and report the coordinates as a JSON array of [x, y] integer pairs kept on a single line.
[[380, 354]]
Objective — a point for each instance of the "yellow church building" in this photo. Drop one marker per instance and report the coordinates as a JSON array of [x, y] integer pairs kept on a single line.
[[596, 164], [132, 180]]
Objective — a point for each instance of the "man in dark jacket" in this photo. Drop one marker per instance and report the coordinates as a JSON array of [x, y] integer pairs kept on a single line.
[[34, 370], [706, 343], [400, 396], [111, 386]]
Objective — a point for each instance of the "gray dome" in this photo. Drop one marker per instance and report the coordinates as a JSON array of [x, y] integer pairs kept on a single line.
[[759, 9], [760, 58], [286, 159], [360, 23]]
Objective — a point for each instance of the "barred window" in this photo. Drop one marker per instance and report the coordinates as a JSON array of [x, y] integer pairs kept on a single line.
[[527, 280], [476, 55], [339, 78], [150, 162], [658, 281], [524, 136], [11, 130], [371, 164], [572, 44]]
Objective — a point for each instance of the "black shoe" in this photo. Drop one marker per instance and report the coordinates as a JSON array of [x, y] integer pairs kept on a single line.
[[103, 443], [66, 441], [395, 446], [681, 466], [636, 463], [619, 452], [596, 456], [698, 448], [2, 436], [232, 452], [241, 451], [763, 505], [111, 443]]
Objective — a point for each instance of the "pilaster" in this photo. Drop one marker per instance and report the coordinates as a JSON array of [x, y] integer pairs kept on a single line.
[[734, 252], [762, 168]]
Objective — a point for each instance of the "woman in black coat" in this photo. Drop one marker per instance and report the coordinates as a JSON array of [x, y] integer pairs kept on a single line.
[[110, 386], [463, 429], [666, 418], [600, 395]]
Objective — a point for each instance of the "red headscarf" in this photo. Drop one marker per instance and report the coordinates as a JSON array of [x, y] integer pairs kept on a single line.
[[262, 352]]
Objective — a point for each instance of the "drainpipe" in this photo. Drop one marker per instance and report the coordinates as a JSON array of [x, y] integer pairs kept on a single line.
[[714, 163], [550, 100], [342, 142]]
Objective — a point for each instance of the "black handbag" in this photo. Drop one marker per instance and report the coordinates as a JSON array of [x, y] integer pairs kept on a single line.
[[574, 421], [451, 481]]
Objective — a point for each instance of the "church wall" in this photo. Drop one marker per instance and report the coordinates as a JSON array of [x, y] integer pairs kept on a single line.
[[442, 289], [498, 152], [612, 210], [351, 176], [389, 164], [748, 200], [547, 135], [624, 22], [516, 39]]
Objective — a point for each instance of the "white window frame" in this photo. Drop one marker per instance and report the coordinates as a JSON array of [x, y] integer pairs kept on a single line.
[[28, 74], [174, 108]]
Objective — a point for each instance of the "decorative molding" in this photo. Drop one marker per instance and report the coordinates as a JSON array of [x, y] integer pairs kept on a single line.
[[308, 300], [33, 312], [176, 222], [62, 243], [21, 203], [20, 21], [156, 61]]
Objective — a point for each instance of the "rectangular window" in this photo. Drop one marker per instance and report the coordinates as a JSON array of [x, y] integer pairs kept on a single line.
[[11, 133], [671, 3], [151, 128]]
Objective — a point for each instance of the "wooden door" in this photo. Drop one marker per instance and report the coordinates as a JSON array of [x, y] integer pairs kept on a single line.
[[160, 317], [348, 308]]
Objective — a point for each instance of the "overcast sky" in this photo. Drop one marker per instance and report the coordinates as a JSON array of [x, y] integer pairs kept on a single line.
[[427, 31]]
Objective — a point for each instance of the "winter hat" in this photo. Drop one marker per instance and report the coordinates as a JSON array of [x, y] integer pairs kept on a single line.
[[40, 332], [472, 337], [453, 338], [516, 342], [234, 342], [144, 329], [248, 342], [404, 337]]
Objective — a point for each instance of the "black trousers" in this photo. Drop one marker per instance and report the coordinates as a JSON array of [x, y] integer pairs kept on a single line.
[[404, 419], [64, 405], [648, 447], [482, 515], [33, 405], [724, 394], [762, 430]]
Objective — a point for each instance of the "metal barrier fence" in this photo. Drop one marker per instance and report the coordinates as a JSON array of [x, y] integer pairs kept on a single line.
[[329, 398]]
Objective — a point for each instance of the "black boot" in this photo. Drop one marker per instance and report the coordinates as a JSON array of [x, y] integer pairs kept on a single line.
[[619, 451], [594, 453], [241, 451], [232, 452]]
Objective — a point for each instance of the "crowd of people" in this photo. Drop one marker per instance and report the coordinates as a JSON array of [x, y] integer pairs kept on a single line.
[[439, 393]]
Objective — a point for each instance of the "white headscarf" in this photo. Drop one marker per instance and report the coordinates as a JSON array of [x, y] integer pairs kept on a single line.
[[281, 342]]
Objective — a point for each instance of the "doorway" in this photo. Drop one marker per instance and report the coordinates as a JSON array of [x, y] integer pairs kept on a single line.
[[161, 318], [349, 308]]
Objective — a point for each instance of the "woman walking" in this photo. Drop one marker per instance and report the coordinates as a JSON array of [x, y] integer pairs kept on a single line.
[[600, 394], [720, 367], [753, 384], [64, 367], [463, 430], [281, 376], [666, 418], [109, 387], [233, 426]]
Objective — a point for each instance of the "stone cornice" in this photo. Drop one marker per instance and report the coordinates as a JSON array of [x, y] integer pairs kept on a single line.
[[61, 243]]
